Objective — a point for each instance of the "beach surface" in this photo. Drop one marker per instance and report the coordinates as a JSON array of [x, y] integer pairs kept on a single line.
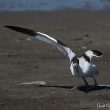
[[25, 59]]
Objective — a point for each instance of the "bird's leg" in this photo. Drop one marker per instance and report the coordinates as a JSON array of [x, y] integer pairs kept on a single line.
[[86, 83], [92, 87], [95, 82]]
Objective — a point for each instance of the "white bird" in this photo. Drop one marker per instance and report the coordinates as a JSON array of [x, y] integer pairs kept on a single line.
[[80, 66]]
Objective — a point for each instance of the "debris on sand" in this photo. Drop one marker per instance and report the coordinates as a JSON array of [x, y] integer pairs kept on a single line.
[[84, 47], [86, 36], [28, 39], [39, 83]]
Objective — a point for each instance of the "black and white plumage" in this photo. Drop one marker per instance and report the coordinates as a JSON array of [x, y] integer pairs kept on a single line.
[[81, 66]]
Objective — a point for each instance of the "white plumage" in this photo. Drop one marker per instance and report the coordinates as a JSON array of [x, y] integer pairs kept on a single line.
[[61, 47]]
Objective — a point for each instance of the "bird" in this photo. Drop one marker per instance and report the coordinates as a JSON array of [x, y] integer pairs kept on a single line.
[[80, 66]]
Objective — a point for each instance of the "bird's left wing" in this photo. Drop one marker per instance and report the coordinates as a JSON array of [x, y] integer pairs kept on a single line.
[[63, 48]]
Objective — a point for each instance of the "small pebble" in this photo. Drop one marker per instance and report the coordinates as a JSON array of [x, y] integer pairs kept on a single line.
[[84, 47], [28, 39]]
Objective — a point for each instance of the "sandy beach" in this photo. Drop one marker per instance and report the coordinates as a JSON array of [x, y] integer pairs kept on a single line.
[[24, 59]]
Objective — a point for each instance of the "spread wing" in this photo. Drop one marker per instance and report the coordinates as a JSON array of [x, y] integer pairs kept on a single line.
[[63, 48]]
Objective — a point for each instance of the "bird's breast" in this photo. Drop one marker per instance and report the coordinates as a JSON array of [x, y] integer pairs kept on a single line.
[[88, 69]]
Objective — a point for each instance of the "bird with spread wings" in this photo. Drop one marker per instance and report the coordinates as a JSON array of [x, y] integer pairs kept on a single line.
[[80, 66]]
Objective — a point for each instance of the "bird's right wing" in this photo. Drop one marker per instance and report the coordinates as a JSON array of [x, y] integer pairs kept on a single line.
[[63, 48]]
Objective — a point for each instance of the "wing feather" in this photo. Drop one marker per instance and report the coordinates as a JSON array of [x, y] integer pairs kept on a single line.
[[57, 43], [63, 48]]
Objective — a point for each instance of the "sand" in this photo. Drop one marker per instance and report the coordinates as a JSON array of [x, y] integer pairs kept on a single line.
[[24, 59]]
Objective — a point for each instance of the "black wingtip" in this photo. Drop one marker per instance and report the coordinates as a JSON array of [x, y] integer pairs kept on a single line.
[[20, 29], [8, 26]]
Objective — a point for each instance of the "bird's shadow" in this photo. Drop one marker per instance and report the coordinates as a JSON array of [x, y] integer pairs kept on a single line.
[[91, 88], [83, 88]]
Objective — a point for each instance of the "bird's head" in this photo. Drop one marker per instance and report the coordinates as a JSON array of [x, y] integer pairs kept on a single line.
[[92, 53]]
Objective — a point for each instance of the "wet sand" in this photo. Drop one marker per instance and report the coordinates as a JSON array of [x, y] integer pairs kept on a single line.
[[24, 59]]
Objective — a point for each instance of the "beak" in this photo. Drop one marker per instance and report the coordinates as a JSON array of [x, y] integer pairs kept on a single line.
[[100, 56]]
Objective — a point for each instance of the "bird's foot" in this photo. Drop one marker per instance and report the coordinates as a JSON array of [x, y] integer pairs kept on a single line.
[[90, 87], [87, 85], [95, 85]]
